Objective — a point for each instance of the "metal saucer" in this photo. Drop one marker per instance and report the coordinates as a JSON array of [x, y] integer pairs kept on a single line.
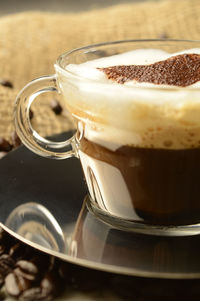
[[43, 203]]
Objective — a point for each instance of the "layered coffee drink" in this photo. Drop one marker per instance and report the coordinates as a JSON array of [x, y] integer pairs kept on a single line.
[[138, 116]]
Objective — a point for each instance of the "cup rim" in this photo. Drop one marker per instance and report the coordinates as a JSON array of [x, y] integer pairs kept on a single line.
[[58, 63]]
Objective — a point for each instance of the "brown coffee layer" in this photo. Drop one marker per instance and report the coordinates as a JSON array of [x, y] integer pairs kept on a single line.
[[163, 184], [181, 70]]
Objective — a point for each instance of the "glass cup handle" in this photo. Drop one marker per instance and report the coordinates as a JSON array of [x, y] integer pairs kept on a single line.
[[27, 134]]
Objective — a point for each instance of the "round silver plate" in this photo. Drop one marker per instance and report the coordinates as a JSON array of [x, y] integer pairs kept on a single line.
[[43, 203]]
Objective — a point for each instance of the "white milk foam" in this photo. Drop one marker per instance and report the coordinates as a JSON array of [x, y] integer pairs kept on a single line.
[[133, 113], [136, 57]]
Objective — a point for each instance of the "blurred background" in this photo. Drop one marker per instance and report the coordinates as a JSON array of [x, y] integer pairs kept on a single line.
[[33, 33], [11, 6]]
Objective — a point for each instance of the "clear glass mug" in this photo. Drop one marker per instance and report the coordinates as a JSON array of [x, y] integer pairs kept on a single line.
[[139, 147]]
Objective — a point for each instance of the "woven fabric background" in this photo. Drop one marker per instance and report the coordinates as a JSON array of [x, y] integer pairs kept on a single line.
[[30, 42]]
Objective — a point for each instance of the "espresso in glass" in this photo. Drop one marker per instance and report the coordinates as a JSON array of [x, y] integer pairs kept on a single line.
[[139, 135]]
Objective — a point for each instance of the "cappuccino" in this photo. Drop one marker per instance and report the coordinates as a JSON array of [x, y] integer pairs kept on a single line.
[[138, 116]]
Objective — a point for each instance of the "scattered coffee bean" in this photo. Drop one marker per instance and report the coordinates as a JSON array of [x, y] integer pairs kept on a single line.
[[16, 284], [15, 139], [25, 275], [27, 267], [12, 285], [5, 146], [48, 285], [6, 83], [56, 107], [6, 264], [34, 294], [23, 283], [51, 284]]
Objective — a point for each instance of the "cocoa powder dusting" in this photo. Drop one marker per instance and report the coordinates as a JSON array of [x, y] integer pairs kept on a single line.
[[181, 70]]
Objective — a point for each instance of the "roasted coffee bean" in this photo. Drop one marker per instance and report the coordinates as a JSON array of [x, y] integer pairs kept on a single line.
[[56, 107], [28, 276], [15, 284], [12, 285], [5, 146], [48, 285], [35, 294], [27, 266], [6, 83], [52, 284], [6, 264], [15, 139], [23, 283], [32, 269]]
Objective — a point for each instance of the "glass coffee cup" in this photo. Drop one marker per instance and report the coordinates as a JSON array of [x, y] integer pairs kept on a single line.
[[139, 145]]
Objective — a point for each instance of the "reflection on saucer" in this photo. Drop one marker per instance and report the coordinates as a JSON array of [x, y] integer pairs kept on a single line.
[[35, 223], [160, 256]]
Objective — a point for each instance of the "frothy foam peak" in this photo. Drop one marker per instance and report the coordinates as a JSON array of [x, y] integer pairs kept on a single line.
[[89, 70]]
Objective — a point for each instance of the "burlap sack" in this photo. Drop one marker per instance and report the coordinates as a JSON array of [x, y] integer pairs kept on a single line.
[[31, 42]]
